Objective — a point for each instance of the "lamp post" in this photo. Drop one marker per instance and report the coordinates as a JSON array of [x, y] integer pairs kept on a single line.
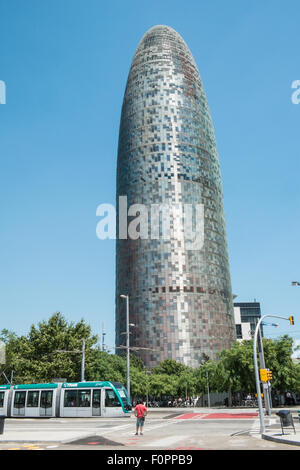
[[127, 343], [148, 372], [208, 396], [127, 347], [83, 361], [261, 416]]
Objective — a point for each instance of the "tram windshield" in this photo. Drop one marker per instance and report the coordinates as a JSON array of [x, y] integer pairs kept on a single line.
[[123, 394]]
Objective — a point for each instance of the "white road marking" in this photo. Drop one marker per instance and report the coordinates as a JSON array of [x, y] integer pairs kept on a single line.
[[170, 441]]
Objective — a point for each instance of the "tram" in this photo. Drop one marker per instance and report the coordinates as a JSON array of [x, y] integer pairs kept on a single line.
[[80, 399]]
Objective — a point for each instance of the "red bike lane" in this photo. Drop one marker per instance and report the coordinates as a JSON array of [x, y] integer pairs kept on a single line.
[[217, 416]]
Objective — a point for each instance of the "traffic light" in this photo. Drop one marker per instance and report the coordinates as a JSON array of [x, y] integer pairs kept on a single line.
[[291, 318], [263, 375], [269, 374]]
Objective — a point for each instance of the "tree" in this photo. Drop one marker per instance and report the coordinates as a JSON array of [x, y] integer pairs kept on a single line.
[[34, 358], [208, 373], [187, 383], [139, 385], [286, 374], [162, 385], [103, 366], [236, 368], [170, 367]]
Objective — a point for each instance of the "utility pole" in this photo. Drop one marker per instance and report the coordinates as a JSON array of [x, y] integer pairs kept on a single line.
[[266, 387], [83, 361]]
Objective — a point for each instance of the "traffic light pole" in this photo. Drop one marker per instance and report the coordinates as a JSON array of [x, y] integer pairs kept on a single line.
[[266, 388], [258, 391], [259, 401]]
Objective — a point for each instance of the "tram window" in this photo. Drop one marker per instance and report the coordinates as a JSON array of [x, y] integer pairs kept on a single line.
[[19, 401], [70, 398], [1, 399], [33, 399], [84, 398], [111, 399]]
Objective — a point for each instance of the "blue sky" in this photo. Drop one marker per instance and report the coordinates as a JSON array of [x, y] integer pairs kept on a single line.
[[65, 65]]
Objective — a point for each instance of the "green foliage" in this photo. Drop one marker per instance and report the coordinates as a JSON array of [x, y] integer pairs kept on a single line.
[[286, 374], [104, 366], [37, 357], [162, 385], [187, 383], [170, 367], [238, 368]]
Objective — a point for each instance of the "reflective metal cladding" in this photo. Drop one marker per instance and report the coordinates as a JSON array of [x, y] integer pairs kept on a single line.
[[180, 297]]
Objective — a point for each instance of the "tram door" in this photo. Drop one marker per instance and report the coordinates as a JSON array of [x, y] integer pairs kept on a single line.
[[46, 403], [96, 402], [19, 404]]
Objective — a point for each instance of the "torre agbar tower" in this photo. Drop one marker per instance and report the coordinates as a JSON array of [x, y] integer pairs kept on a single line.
[[180, 297]]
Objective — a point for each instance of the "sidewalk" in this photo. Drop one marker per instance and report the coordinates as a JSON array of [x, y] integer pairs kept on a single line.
[[273, 430]]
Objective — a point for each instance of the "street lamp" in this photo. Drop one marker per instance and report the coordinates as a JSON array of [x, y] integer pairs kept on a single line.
[[208, 396], [127, 343], [127, 347]]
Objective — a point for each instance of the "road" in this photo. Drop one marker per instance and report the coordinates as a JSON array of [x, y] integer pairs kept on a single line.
[[164, 430]]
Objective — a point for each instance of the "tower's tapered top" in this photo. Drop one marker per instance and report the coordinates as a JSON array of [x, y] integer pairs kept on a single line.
[[165, 40]]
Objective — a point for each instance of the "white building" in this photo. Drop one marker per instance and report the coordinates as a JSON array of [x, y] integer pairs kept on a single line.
[[243, 329]]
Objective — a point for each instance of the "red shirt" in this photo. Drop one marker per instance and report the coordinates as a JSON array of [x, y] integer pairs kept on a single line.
[[140, 410]]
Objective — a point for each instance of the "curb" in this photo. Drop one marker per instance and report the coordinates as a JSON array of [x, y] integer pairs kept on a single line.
[[282, 440]]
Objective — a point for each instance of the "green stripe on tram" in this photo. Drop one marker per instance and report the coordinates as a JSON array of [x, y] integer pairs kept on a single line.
[[34, 386], [84, 384]]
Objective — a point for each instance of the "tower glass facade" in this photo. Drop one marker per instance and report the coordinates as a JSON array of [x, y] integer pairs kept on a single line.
[[180, 297]]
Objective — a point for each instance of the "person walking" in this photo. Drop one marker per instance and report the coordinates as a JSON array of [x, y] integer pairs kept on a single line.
[[140, 411]]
